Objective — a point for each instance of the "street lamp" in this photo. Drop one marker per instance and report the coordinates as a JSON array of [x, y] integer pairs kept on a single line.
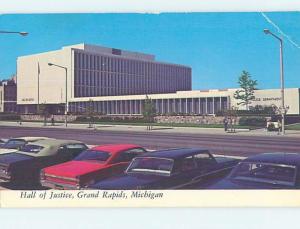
[[283, 109], [21, 33], [66, 105]]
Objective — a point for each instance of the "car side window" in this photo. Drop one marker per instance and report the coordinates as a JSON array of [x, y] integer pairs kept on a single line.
[[75, 149], [203, 159], [187, 164], [128, 155]]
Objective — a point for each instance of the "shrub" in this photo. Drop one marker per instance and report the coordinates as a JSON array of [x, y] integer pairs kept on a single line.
[[252, 121], [8, 117]]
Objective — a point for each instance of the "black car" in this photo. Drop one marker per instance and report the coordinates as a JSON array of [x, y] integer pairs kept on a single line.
[[169, 169], [263, 171], [24, 166]]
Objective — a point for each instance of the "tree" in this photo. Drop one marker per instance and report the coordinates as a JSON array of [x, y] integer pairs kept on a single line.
[[149, 112], [90, 112], [246, 93]]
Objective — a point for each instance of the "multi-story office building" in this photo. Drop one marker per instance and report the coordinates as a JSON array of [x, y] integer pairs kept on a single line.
[[117, 82], [94, 71], [8, 96]]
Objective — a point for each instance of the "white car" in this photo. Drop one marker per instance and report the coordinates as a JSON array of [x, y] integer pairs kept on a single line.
[[13, 144]]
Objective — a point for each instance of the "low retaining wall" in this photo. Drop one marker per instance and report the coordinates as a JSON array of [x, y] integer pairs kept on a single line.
[[159, 119], [191, 119]]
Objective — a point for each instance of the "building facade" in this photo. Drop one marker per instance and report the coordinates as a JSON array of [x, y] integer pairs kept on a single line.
[[94, 71], [117, 82], [8, 96]]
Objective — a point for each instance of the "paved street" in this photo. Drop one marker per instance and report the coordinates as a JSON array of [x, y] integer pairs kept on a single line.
[[242, 143]]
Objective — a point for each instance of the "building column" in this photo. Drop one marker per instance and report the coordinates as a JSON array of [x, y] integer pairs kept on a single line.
[[193, 105], [180, 105], [174, 106], [141, 101], [206, 106], [186, 105], [168, 101], [220, 103], [213, 105], [199, 108]]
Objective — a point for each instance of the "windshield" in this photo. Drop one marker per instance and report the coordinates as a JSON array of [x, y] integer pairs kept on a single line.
[[265, 173], [93, 155], [158, 166], [13, 144], [31, 148]]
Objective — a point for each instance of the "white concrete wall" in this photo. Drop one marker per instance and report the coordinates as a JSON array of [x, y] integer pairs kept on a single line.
[[52, 79]]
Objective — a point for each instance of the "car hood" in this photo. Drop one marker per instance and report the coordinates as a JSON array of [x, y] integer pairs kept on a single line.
[[11, 158], [73, 168], [128, 181], [4, 151], [228, 183]]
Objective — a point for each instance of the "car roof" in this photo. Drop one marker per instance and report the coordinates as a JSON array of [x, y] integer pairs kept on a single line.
[[54, 142], [115, 148], [175, 153], [276, 158], [29, 139]]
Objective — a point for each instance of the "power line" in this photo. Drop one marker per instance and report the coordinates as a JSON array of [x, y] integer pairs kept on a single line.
[[280, 31]]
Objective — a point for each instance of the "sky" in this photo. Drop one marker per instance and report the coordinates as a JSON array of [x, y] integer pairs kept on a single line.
[[217, 46]]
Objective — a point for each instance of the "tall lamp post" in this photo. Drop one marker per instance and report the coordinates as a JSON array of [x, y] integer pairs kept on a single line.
[[283, 109], [66, 105], [21, 33]]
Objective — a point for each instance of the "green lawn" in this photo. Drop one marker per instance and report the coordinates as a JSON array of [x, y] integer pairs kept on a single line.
[[158, 124], [295, 126]]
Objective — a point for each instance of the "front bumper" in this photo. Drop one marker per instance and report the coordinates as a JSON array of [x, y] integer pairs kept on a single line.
[[60, 186]]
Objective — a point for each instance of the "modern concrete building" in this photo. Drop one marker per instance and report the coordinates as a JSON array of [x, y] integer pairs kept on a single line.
[[8, 96], [205, 102], [94, 71], [116, 82]]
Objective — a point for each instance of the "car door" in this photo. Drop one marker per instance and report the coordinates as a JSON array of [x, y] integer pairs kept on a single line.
[[183, 173]]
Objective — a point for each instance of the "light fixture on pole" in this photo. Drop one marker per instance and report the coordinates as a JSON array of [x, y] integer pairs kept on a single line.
[[20, 33], [66, 104], [283, 108]]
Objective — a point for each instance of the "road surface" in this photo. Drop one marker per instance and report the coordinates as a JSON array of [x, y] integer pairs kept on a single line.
[[228, 144]]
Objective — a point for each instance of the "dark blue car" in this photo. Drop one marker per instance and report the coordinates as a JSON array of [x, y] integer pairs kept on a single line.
[[263, 171], [169, 169]]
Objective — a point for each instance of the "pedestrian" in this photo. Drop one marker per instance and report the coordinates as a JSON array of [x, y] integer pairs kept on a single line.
[[52, 120], [225, 122], [279, 126]]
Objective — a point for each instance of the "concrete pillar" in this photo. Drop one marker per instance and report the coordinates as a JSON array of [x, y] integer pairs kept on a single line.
[[199, 108], [186, 105], [206, 106], [213, 105]]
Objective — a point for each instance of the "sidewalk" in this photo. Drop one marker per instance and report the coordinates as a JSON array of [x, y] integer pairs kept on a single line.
[[161, 129]]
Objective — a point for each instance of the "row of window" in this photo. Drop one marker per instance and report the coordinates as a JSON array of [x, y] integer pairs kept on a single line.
[[129, 66], [96, 75], [89, 84]]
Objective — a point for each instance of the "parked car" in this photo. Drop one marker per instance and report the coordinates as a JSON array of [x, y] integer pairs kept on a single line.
[[264, 171], [14, 144], [169, 169], [2, 141], [91, 165], [25, 164]]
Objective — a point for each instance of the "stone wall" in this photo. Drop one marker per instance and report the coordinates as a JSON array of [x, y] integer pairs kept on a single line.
[[57, 118], [191, 119]]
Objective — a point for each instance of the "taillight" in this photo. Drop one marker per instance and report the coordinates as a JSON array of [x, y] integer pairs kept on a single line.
[[42, 175]]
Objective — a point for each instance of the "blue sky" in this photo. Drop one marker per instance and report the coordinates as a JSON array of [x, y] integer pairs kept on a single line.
[[218, 46]]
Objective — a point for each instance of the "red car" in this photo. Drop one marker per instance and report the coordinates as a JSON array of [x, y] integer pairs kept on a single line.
[[90, 166]]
